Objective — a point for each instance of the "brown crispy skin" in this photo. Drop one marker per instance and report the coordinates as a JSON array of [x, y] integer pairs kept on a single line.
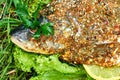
[[88, 29]]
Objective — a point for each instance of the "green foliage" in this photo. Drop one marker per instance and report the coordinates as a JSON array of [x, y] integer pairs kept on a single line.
[[11, 21], [47, 66], [45, 29], [31, 21], [33, 5], [56, 75]]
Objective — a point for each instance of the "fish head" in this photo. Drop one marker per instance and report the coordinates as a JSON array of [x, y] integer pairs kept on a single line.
[[23, 38], [20, 36]]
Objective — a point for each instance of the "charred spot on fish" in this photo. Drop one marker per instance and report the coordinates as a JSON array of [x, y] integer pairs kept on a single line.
[[19, 28], [21, 33]]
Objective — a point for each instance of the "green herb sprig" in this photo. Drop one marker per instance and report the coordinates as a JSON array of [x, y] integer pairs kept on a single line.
[[32, 21]]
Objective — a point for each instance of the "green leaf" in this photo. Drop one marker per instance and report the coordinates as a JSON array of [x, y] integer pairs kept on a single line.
[[35, 24], [16, 2], [22, 12], [47, 67], [26, 61], [26, 21], [56, 75], [21, 8], [47, 29], [37, 33], [35, 14]]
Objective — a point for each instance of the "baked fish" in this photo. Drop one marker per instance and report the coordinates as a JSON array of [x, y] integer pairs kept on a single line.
[[86, 32]]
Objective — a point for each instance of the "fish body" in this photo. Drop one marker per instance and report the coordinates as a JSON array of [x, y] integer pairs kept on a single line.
[[85, 32]]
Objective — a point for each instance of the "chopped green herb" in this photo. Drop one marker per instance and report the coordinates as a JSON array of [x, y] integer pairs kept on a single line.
[[47, 29]]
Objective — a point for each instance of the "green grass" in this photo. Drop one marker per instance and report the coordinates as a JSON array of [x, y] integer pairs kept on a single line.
[[8, 70]]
